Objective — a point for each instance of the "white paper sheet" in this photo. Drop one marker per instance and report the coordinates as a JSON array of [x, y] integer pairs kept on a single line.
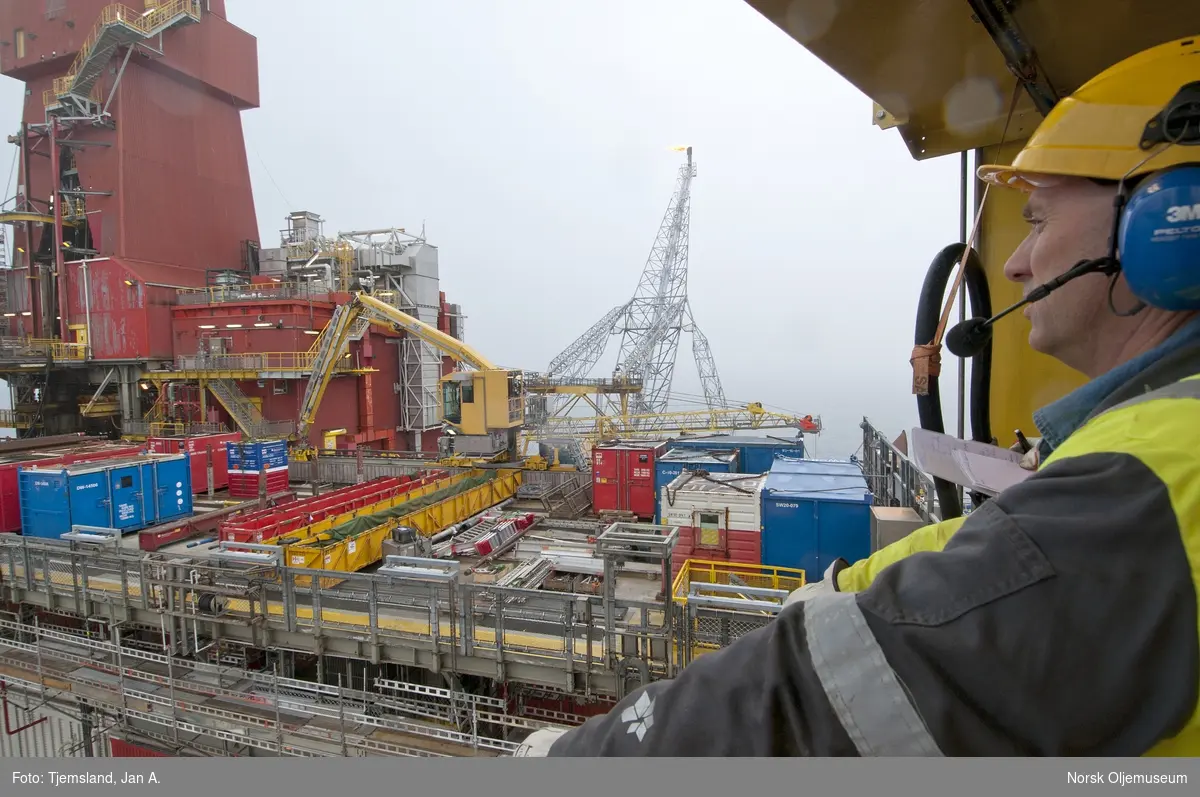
[[976, 466], [988, 474]]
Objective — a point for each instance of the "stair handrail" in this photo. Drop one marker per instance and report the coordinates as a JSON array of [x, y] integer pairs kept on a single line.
[[142, 21]]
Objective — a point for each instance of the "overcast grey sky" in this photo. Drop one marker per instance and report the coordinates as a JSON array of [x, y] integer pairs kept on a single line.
[[531, 138]]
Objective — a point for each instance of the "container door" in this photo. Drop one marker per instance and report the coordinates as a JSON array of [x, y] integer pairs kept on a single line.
[[10, 504], [174, 487], [664, 474], [790, 535], [808, 539], [90, 500], [44, 504], [220, 468], [127, 497], [233, 456], [604, 482], [622, 476], [199, 459], [640, 479]]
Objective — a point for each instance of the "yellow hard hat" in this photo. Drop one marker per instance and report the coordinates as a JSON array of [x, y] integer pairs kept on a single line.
[[1096, 131]]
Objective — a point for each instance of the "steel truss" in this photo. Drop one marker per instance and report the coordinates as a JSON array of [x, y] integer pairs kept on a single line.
[[651, 323]]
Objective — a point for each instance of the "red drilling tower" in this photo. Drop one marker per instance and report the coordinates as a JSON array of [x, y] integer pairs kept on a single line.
[[132, 117], [133, 175]]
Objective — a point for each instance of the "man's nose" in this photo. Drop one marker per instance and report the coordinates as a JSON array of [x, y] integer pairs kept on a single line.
[[1017, 268]]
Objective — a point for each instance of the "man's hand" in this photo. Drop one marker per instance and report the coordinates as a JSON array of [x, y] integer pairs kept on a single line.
[[828, 583], [1031, 458], [808, 591]]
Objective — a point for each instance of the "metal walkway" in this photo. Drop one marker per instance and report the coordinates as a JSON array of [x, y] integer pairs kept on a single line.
[[161, 644], [118, 26]]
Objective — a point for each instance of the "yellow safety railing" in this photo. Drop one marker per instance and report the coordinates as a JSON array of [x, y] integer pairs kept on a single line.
[[68, 351], [703, 571], [142, 21], [50, 96], [53, 348], [11, 419], [286, 361], [218, 294], [166, 429], [298, 361]]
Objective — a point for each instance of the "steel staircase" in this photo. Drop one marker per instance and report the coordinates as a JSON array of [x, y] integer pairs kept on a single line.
[[329, 347], [118, 26], [244, 413]]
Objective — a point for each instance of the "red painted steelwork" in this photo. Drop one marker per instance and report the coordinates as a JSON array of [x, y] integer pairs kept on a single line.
[[367, 406], [8, 729], [269, 523], [169, 198], [246, 485], [119, 748], [152, 539], [59, 269], [127, 321], [170, 182]]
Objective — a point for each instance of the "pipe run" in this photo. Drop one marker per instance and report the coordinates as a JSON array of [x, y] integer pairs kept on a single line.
[[9, 731]]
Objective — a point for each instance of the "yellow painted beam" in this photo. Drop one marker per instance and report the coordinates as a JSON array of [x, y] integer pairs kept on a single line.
[[19, 217]]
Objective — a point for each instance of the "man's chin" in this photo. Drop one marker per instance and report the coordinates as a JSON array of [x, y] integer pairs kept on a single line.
[[1039, 343]]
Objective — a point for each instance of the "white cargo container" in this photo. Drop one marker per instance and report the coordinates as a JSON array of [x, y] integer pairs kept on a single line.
[[719, 516]]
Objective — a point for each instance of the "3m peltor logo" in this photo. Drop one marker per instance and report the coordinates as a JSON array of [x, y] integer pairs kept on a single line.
[[1180, 213]]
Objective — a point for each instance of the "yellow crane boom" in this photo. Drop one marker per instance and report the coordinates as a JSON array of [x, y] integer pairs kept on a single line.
[[349, 321], [385, 315], [486, 407], [599, 427]]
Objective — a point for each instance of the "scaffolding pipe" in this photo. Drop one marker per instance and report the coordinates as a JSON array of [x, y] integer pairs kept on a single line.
[[194, 577], [4, 699], [59, 266]]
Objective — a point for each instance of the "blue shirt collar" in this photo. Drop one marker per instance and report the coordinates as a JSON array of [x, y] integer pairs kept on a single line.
[[1059, 420]]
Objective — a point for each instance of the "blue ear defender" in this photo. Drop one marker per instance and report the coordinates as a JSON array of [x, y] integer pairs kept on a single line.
[[1158, 244]]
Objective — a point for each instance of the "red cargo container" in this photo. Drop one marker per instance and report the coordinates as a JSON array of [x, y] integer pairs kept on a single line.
[[201, 447], [10, 506], [623, 476], [245, 485]]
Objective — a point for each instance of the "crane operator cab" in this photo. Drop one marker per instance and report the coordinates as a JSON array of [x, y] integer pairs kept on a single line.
[[483, 412]]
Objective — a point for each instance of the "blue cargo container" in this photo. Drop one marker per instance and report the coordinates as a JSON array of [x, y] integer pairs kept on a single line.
[[813, 512], [673, 463], [256, 456], [126, 494], [755, 453]]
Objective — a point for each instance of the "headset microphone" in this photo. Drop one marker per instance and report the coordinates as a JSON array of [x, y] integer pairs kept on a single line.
[[968, 338]]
